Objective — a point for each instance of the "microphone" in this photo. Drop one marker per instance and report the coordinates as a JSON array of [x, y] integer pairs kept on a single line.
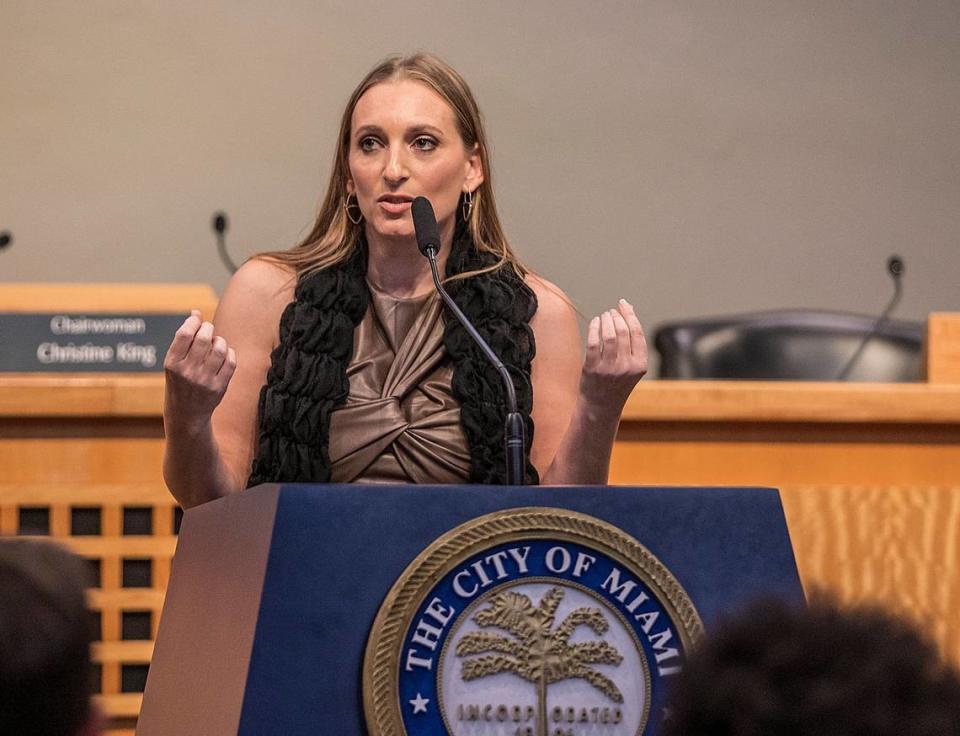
[[6, 237], [895, 268], [220, 224], [428, 241], [425, 226]]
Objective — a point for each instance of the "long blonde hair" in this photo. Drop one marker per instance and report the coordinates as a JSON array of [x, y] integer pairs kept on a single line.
[[334, 236]]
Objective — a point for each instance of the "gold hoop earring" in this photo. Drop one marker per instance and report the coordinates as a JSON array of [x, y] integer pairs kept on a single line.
[[466, 207], [348, 207]]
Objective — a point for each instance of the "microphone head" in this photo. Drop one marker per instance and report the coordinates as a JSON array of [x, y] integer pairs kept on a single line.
[[220, 222], [5, 238], [425, 226], [895, 266]]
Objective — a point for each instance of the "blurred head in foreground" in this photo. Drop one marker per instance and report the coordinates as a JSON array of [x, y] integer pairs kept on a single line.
[[46, 677], [776, 670]]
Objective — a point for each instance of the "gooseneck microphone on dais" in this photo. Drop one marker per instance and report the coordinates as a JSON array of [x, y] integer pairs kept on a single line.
[[220, 224], [428, 241], [895, 268]]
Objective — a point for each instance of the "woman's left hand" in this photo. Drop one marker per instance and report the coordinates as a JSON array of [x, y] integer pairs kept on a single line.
[[616, 358]]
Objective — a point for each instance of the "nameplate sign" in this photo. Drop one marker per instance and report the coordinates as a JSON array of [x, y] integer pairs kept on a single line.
[[82, 342]]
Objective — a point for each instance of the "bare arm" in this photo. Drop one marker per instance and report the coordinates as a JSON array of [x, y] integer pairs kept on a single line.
[[198, 367], [577, 409], [210, 403]]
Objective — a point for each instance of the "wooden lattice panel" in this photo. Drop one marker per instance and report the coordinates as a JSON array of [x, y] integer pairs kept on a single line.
[[128, 535], [81, 455]]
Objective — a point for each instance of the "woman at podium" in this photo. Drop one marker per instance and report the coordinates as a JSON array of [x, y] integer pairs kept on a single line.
[[334, 361]]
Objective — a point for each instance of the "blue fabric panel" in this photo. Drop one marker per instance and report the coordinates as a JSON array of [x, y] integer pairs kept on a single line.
[[337, 550]]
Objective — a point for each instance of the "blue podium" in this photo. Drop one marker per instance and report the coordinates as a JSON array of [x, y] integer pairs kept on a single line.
[[275, 591]]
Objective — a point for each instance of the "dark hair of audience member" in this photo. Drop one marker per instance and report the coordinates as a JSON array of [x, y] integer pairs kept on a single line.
[[780, 670], [46, 677]]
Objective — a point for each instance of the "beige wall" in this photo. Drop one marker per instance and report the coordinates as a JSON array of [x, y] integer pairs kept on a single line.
[[697, 157]]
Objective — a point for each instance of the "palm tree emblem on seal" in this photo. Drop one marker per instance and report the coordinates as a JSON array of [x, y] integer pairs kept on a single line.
[[537, 652]]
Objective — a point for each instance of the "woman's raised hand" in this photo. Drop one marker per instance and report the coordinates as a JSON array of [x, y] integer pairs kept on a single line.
[[616, 358], [198, 367]]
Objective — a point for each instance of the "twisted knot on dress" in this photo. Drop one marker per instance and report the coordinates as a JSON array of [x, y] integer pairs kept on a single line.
[[400, 422]]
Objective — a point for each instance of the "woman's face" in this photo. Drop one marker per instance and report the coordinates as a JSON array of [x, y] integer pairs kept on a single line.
[[404, 143]]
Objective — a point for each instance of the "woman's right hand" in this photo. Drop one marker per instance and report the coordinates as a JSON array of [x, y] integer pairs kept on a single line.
[[198, 368]]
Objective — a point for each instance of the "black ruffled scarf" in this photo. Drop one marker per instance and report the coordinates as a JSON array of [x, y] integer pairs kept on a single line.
[[308, 369]]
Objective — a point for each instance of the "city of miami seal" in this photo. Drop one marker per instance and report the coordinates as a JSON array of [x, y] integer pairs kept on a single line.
[[528, 622]]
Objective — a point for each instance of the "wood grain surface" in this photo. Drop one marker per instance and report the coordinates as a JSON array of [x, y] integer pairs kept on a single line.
[[652, 401], [793, 401], [942, 355], [898, 546], [81, 395], [870, 479], [112, 297]]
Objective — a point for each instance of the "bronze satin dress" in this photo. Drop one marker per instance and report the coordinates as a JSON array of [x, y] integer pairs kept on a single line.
[[400, 423]]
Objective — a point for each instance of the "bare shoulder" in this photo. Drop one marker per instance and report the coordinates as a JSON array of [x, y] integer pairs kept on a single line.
[[255, 297], [259, 280], [257, 286], [553, 306]]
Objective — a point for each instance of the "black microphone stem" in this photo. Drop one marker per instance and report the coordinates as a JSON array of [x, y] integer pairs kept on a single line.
[[514, 439], [874, 331], [219, 229], [224, 256]]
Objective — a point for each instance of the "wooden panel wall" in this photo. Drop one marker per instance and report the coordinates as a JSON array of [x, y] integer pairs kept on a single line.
[[81, 464], [896, 545], [870, 478], [128, 533], [94, 485]]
